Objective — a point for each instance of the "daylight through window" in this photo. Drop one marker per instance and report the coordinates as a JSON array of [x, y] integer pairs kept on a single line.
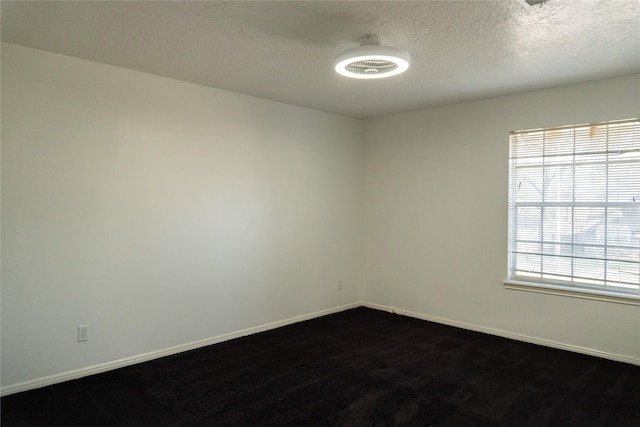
[[574, 206]]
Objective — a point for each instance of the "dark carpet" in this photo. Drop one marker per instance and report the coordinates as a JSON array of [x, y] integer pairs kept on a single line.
[[361, 367]]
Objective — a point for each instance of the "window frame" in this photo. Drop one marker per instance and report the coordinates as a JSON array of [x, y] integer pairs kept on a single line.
[[571, 287]]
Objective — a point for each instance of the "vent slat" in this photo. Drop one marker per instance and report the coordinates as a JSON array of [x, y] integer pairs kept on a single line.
[[371, 67]]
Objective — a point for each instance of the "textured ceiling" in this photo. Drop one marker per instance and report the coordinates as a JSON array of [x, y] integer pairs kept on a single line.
[[284, 50]]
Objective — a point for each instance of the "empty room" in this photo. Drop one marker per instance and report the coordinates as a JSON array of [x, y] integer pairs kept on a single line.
[[320, 213]]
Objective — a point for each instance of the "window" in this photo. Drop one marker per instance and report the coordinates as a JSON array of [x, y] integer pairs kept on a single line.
[[574, 207]]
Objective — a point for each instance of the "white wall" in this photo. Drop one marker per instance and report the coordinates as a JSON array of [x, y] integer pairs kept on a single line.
[[436, 217], [160, 212]]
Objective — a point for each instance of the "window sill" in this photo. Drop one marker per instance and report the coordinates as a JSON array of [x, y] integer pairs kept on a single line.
[[567, 291]]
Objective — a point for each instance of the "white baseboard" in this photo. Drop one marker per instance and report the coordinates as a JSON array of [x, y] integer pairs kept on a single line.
[[128, 361], [132, 360], [506, 334]]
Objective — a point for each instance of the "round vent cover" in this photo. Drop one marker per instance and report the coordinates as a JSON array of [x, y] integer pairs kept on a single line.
[[371, 61]]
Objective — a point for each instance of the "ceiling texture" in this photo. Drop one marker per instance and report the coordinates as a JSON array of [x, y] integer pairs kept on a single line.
[[284, 50]]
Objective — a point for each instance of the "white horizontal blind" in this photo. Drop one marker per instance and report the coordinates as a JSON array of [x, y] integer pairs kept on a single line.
[[574, 205]]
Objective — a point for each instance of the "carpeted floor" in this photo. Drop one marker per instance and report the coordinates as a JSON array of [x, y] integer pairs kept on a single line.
[[361, 367]]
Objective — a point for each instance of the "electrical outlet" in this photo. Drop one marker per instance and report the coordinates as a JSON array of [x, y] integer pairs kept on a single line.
[[339, 285], [83, 333]]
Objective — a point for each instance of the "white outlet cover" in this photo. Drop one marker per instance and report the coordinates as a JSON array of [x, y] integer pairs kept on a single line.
[[83, 333]]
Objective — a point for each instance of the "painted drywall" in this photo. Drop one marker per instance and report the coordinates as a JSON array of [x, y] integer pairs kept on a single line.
[[436, 217], [161, 213]]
